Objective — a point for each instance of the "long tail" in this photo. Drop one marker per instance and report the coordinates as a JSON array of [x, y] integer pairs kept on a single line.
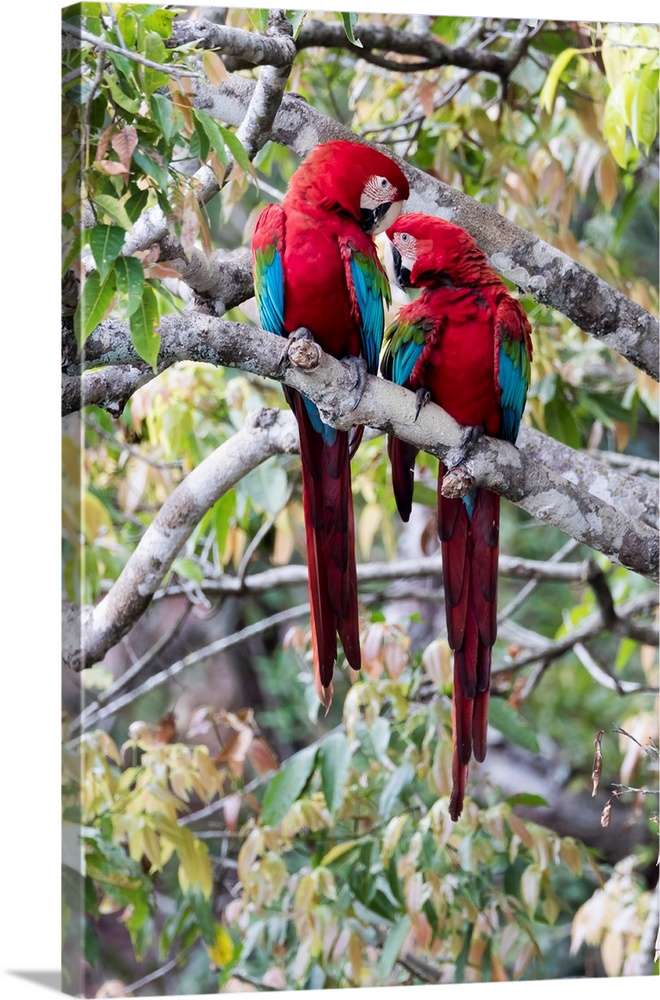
[[402, 461], [330, 533], [469, 533]]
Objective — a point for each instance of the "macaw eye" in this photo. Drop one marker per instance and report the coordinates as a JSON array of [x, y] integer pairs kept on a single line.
[[404, 237], [383, 183]]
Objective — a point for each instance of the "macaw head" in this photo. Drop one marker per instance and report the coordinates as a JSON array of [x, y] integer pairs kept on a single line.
[[428, 251], [343, 176]]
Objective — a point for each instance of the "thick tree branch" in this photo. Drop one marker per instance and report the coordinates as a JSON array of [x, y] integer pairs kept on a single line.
[[86, 640], [427, 47], [276, 49], [549, 497], [549, 275]]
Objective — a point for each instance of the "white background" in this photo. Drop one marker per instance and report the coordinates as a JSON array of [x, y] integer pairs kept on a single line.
[[30, 490]]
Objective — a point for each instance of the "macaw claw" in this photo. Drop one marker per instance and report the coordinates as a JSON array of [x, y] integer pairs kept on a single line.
[[458, 455], [358, 369], [422, 397]]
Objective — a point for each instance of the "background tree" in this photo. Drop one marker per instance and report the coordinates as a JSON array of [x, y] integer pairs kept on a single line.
[[228, 830]]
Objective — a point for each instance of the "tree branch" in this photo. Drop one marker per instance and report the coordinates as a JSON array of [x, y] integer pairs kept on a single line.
[[547, 274], [497, 465], [100, 43], [86, 640], [277, 49], [426, 46]]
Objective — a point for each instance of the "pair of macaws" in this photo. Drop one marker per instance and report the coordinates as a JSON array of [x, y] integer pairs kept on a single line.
[[464, 343]]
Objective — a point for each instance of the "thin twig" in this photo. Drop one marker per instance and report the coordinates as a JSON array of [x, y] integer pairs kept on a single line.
[[605, 678], [193, 659], [100, 43], [129, 676]]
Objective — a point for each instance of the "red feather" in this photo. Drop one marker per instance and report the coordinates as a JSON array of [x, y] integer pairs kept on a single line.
[[464, 312], [319, 219]]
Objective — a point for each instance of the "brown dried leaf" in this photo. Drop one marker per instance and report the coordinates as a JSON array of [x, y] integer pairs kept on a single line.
[[262, 757], [235, 750], [231, 808], [161, 271], [166, 731], [606, 814], [111, 167], [124, 144], [598, 762], [104, 142], [425, 95]]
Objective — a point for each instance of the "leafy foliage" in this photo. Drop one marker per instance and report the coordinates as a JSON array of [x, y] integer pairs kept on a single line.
[[323, 854]]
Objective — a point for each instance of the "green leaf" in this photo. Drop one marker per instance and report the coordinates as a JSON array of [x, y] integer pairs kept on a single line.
[[162, 111], [397, 782], [146, 339], [527, 799], [285, 787], [223, 511], [349, 21], [188, 569], [129, 104], [549, 88], [295, 18], [105, 243], [374, 739], [213, 134], [160, 21], [130, 282], [74, 249], [115, 209], [92, 305], [154, 49], [512, 725], [334, 761], [614, 125], [201, 907], [265, 486], [236, 149], [152, 169], [392, 946], [259, 18], [644, 109], [560, 422]]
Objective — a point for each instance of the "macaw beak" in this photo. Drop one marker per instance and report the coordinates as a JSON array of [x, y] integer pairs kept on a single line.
[[401, 273], [377, 220]]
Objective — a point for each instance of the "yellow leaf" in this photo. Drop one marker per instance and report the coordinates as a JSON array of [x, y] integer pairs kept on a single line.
[[222, 950], [214, 68], [337, 851]]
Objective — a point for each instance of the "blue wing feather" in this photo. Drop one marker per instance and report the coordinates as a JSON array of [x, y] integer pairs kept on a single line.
[[514, 378], [370, 285]]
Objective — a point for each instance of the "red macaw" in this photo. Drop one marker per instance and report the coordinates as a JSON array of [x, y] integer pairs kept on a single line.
[[466, 344], [316, 267]]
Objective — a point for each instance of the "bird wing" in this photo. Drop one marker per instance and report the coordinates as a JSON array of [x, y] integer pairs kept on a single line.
[[367, 287], [513, 356], [267, 253]]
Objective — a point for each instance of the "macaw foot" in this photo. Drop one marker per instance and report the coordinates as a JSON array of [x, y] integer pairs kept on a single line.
[[301, 333], [458, 455], [302, 351], [358, 369], [422, 397]]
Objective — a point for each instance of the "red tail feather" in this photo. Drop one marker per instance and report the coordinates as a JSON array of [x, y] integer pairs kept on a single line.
[[402, 460], [330, 534], [469, 563]]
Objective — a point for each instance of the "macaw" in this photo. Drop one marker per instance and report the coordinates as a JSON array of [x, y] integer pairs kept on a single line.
[[316, 267], [465, 343]]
